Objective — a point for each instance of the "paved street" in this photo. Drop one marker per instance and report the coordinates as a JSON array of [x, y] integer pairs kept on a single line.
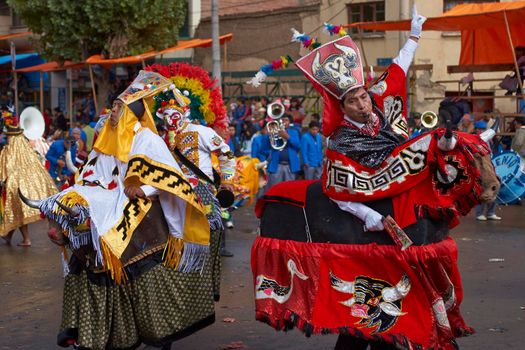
[[31, 291]]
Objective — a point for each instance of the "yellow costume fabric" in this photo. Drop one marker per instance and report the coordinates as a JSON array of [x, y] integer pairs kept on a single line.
[[116, 141], [21, 169], [247, 178]]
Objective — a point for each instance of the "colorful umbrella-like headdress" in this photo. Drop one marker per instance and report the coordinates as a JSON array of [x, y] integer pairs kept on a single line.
[[206, 106]]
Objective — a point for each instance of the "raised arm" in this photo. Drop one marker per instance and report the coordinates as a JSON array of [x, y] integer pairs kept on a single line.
[[407, 52]]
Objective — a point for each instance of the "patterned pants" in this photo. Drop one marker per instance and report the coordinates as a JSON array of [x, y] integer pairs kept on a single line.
[[156, 306]]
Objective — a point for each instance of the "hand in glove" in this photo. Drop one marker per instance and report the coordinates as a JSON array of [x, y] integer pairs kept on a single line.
[[417, 23], [373, 221]]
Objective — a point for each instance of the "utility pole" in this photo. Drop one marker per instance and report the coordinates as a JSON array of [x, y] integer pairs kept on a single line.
[[216, 45], [403, 14], [15, 78]]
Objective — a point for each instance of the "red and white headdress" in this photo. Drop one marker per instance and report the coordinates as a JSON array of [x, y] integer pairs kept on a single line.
[[335, 66]]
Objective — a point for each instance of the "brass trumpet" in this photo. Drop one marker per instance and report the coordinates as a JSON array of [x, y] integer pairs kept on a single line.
[[275, 111], [429, 120]]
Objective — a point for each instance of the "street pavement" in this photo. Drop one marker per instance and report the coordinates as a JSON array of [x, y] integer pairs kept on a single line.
[[491, 260]]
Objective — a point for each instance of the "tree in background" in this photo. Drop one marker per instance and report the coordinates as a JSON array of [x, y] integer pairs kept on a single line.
[[75, 30]]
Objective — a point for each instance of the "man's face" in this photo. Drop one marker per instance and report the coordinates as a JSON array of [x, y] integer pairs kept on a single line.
[[314, 130], [286, 122], [357, 105], [116, 112], [76, 135], [417, 121], [231, 130]]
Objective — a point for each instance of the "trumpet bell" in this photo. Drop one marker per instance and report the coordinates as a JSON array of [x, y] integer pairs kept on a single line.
[[275, 110], [429, 119], [32, 121]]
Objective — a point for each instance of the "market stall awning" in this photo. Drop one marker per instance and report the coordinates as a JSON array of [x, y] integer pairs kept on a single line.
[[181, 45], [14, 35], [19, 57], [51, 66], [483, 27]]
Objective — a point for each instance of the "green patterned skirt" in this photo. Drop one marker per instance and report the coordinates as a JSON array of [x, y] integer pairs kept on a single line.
[[157, 305]]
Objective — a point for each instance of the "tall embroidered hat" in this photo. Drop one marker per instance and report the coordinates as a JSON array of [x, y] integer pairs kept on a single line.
[[144, 85], [336, 67]]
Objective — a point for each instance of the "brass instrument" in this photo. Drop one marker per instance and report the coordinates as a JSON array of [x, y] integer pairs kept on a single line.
[[429, 119], [32, 121], [275, 111]]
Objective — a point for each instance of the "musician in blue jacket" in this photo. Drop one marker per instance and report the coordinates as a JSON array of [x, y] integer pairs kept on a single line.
[[312, 152], [285, 164], [261, 147]]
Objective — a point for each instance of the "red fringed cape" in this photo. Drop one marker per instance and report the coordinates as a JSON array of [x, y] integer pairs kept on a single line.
[[420, 178], [409, 298]]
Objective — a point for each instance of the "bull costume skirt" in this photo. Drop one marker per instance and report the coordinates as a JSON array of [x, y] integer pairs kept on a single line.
[[156, 306], [407, 298]]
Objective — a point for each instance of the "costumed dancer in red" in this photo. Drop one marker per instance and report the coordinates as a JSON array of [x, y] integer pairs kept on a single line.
[[370, 291]]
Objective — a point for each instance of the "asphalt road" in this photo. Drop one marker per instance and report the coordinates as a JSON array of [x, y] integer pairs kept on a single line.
[[494, 302]]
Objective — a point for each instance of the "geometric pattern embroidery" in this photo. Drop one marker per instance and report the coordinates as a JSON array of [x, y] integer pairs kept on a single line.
[[188, 145], [393, 107], [410, 161], [166, 179]]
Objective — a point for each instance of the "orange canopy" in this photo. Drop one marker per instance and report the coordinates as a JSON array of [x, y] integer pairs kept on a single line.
[[484, 38], [14, 35], [50, 67], [181, 45]]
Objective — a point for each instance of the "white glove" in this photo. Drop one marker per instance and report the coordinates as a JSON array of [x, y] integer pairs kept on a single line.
[[417, 23], [373, 221]]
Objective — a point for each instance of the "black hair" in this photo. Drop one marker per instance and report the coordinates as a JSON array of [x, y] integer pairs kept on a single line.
[[137, 108], [313, 124]]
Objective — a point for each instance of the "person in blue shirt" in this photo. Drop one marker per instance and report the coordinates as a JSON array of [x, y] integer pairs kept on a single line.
[[261, 147], [233, 141], [285, 164], [312, 152], [56, 157]]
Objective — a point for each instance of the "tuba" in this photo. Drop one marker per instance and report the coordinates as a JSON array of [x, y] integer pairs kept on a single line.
[[429, 119], [32, 121], [275, 111]]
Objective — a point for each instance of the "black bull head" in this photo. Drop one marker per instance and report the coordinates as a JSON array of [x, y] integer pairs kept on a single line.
[[375, 301], [329, 224]]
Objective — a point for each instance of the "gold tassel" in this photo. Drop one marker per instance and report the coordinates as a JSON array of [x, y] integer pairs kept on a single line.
[[113, 264], [71, 198], [173, 252]]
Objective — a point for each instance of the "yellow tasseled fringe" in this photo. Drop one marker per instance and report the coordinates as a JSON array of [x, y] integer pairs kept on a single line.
[[173, 252], [71, 198], [113, 264]]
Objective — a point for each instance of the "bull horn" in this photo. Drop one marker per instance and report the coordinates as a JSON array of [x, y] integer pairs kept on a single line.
[[391, 309], [70, 210], [348, 302], [398, 292], [341, 285], [33, 203]]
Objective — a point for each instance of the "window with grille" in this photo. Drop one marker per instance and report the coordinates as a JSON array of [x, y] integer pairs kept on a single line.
[[366, 12], [5, 10], [448, 4]]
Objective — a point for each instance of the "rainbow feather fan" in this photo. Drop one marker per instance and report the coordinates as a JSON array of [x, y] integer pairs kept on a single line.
[[331, 29], [267, 69], [206, 104]]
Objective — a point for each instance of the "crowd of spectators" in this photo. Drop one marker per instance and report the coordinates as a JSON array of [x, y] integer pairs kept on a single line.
[[248, 135]]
